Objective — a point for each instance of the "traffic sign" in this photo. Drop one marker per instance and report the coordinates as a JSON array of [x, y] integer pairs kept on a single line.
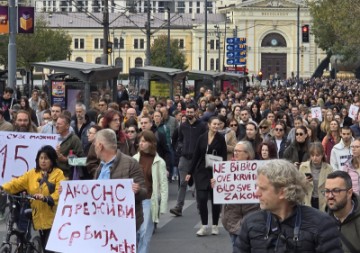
[[230, 62], [230, 40]]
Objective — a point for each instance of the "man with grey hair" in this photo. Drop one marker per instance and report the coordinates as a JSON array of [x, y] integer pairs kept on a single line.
[[116, 165], [81, 124], [284, 224]]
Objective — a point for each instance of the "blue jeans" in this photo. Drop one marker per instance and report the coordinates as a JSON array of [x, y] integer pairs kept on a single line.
[[147, 227]]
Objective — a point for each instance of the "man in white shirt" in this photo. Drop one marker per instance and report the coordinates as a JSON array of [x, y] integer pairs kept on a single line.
[[341, 152]]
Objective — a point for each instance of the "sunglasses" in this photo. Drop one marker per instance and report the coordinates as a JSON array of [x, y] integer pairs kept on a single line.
[[279, 129], [263, 127], [233, 125], [301, 134]]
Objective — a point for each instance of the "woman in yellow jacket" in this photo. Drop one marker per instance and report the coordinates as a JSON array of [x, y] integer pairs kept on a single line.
[[316, 171], [43, 182]]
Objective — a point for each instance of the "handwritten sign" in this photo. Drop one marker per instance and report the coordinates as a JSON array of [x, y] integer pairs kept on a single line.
[[316, 113], [18, 152], [235, 182], [353, 110], [96, 215]]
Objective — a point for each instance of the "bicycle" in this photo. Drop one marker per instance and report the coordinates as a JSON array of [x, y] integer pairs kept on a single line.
[[20, 239]]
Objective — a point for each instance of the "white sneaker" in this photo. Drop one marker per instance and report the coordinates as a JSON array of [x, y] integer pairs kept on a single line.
[[214, 230], [202, 231]]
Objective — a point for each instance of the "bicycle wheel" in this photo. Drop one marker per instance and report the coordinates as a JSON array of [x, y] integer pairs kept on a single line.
[[5, 248], [35, 245]]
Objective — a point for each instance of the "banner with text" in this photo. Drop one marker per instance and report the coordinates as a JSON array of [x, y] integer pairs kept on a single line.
[[18, 152], [96, 215], [236, 182]]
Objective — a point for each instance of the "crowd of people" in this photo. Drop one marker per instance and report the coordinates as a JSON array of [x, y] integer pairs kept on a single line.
[[315, 175]]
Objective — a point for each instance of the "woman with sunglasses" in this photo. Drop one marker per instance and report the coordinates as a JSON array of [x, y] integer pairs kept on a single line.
[[298, 151], [316, 171], [230, 136], [352, 166], [279, 139], [234, 125], [264, 129]]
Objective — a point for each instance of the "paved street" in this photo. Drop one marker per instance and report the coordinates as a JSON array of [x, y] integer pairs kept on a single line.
[[177, 234]]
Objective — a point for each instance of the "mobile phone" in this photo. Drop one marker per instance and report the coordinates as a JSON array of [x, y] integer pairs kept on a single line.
[[308, 175]]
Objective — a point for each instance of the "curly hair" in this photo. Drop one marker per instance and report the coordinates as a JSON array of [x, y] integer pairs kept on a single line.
[[283, 174]]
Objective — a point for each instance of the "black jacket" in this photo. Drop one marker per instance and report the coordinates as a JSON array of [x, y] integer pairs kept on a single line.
[[318, 233], [283, 146], [188, 136], [201, 174], [350, 228]]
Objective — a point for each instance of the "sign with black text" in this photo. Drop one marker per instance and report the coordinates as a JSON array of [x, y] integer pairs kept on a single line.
[[235, 182]]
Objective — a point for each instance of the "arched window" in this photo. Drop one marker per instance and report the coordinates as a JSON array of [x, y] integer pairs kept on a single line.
[[98, 60], [212, 64], [119, 63], [138, 62], [79, 59], [273, 40], [217, 64]]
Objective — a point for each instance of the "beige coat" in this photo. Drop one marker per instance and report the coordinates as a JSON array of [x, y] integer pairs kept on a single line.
[[230, 138], [324, 171]]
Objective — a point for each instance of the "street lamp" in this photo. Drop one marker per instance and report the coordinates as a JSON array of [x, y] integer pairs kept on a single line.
[[218, 45]]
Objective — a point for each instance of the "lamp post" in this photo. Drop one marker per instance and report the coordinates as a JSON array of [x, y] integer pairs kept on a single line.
[[12, 45], [298, 46], [205, 37], [168, 39], [218, 44]]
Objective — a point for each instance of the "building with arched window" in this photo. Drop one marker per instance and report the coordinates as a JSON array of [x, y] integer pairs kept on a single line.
[[269, 26]]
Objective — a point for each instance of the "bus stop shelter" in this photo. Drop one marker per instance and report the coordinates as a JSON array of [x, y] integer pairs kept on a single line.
[[170, 75], [217, 77], [87, 73]]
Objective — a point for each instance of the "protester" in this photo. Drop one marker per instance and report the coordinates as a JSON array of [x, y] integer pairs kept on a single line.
[[229, 134], [344, 206], [316, 171], [189, 133], [154, 169], [341, 152], [267, 151], [233, 214], [43, 182], [116, 165], [331, 139], [284, 224], [297, 152], [211, 142], [91, 132], [352, 166]]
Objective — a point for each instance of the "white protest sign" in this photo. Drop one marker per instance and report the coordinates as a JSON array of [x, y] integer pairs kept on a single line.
[[236, 182], [353, 110], [95, 216], [18, 152], [316, 113]]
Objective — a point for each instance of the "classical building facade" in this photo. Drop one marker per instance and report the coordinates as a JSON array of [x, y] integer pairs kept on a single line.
[[270, 29]]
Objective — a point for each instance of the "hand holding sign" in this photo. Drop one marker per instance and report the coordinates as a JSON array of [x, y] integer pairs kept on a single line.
[[353, 111], [316, 113]]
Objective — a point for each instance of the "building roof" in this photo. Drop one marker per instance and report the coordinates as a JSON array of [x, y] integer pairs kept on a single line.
[[217, 75], [129, 20]]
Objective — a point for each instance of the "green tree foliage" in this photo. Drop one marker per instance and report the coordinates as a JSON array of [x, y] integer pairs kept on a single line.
[[44, 44], [336, 26], [158, 54]]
